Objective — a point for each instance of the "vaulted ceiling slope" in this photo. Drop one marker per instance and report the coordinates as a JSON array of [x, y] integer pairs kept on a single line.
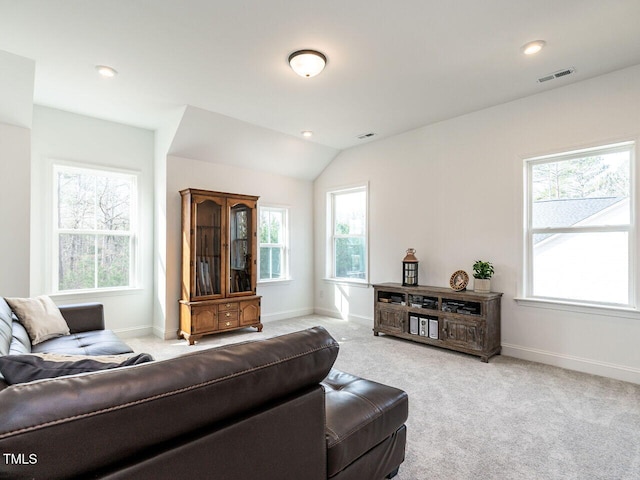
[[204, 135], [392, 66]]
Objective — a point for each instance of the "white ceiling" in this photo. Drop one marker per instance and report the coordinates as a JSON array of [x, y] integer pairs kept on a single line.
[[392, 66]]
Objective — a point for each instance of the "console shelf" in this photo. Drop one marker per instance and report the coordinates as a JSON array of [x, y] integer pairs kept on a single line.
[[464, 321]]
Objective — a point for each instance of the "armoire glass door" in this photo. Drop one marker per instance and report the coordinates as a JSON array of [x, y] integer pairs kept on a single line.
[[207, 248], [240, 248]]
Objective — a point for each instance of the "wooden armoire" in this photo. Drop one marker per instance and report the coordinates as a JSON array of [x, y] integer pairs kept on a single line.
[[219, 247]]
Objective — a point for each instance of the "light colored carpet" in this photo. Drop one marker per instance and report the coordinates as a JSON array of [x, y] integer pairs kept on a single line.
[[508, 419]]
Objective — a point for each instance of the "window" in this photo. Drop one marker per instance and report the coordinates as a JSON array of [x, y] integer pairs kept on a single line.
[[348, 224], [94, 229], [580, 235], [274, 254]]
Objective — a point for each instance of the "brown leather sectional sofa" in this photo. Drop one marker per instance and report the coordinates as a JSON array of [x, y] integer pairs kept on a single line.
[[270, 409]]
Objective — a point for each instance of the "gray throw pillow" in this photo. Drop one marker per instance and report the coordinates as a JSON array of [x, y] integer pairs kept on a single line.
[[40, 316], [37, 366]]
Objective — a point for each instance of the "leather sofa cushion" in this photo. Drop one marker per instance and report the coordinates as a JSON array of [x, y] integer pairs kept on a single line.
[[83, 317], [6, 326], [20, 343], [97, 342], [360, 414], [37, 366]]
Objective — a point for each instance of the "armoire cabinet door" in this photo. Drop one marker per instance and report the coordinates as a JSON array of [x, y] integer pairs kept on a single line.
[[208, 262], [242, 238]]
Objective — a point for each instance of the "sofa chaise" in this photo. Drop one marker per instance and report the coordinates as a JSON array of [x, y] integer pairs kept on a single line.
[[267, 409], [87, 335]]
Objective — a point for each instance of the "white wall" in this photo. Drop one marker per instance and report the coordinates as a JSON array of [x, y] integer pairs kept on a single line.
[[163, 139], [16, 107], [453, 191], [15, 168], [16, 89], [59, 135], [282, 300]]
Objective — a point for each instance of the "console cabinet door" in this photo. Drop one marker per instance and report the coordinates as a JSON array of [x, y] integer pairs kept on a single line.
[[390, 319], [464, 333]]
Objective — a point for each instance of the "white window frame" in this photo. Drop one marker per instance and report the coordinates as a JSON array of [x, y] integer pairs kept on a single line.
[[133, 233], [332, 236], [284, 245], [630, 229]]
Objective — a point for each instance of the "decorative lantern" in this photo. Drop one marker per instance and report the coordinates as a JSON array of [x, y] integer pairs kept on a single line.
[[410, 269]]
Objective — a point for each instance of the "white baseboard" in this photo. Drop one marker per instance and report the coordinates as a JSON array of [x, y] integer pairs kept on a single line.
[[585, 365], [132, 332], [165, 334], [326, 312]]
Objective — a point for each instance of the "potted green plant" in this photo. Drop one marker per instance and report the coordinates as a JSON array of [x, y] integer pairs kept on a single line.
[[482, 273]]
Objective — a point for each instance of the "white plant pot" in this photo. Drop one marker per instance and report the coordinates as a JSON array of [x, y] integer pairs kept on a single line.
[[482, 285]]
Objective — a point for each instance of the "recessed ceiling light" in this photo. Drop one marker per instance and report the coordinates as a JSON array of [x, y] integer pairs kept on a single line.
[[106, 71], [307, 63], [534, 47], [307, 133]]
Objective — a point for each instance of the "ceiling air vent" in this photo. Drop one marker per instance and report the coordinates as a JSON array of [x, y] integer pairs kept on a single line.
[[558, 74], [366, 135]]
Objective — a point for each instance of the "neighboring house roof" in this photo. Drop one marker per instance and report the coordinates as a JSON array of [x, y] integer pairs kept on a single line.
[[568, 212]]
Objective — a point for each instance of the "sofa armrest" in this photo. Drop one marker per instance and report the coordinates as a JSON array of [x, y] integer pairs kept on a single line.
[[83, 317], [156, 404]]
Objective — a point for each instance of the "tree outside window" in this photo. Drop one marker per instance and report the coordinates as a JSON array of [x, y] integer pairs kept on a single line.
[[579, 228], [94, 228], [349, 234], [273, 243]]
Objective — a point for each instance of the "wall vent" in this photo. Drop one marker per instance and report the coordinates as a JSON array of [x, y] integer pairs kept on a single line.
[[366, 135], [558, 74]]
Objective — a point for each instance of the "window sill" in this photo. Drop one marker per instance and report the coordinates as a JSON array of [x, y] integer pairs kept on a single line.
[[346, 281], [604, 310], [81, 295]]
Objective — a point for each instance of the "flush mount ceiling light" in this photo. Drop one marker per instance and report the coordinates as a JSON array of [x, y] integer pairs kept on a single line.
[[307, 63], [106, 71], [307, 133], [534, 47]]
